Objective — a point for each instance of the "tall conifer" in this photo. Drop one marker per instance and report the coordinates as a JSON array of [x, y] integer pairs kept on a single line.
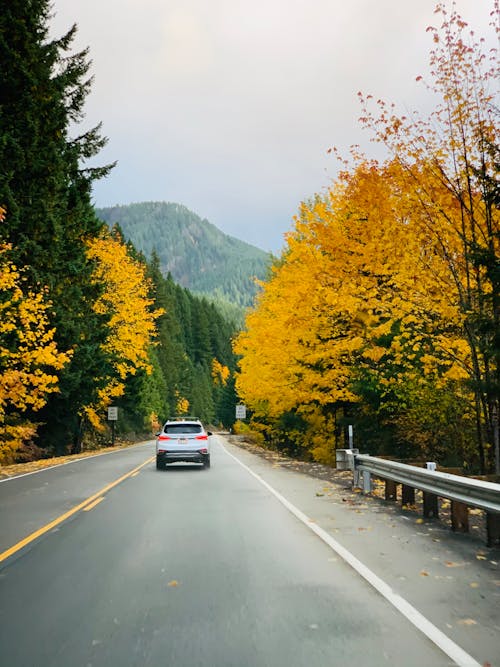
[[46, 191]]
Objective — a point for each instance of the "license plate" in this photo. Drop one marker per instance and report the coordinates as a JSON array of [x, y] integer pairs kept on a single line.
[[183, 441]]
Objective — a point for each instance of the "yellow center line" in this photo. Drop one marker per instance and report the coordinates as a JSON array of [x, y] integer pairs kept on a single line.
[[92, 505], [44, 529]]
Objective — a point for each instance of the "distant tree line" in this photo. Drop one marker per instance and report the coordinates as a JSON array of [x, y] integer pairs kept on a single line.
[[85, 320]]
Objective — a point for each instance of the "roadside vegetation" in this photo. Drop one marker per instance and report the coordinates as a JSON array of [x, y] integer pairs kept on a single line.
[[86, 321], [383, 312]]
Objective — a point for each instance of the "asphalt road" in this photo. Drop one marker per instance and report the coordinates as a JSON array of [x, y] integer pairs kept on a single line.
[[190, 567]]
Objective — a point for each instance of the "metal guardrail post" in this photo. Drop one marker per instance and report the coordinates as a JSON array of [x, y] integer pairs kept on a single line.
[[367, 481]]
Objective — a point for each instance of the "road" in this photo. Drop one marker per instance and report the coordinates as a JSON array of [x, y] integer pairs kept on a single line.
[[241, 565]]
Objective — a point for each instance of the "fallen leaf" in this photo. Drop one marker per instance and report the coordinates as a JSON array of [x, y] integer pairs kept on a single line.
[[467, 621], [424, 573], [173, 583], [480, 556], [419, 521], [319, 495], [474, 584], [450, 563]]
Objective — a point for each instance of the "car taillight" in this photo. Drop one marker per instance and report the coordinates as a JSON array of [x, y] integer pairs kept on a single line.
[[203, 450], [202, 437], [164, 437]]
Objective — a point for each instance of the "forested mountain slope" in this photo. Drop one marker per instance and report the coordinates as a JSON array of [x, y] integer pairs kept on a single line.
[[197, 254]]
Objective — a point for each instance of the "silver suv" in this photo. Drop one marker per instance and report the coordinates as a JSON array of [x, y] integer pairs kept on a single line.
[[182, 440]]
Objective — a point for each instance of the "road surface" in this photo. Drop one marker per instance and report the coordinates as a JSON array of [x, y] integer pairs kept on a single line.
[[241, 565]]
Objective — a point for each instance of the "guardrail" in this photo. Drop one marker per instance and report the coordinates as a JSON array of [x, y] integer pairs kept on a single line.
[[464, 492]]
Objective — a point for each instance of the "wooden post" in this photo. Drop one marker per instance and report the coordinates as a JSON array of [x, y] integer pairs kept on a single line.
[[431, 509], [493, 529], [407, 495], [391, 489], [459, 517]]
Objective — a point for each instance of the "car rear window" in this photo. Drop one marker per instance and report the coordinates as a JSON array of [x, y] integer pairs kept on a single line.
[[182, 428]]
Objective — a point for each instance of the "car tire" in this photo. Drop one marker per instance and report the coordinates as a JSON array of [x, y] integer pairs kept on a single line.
[[206, 462], [160, 465]]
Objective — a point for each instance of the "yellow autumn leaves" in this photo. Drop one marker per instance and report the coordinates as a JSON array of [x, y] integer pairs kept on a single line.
[[30, 360], [28, 354], [361, 284], [386, 284], [131, 327]]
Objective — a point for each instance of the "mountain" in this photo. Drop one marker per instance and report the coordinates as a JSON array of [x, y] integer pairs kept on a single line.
[[198, 255]]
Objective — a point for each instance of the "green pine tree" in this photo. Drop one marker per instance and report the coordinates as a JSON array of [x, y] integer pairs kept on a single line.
[[47, 193]]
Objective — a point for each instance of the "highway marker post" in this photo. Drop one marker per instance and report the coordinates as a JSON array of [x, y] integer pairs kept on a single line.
[[113, 418]]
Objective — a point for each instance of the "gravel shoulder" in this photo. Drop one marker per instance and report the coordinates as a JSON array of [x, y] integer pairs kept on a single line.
[[343, 479]]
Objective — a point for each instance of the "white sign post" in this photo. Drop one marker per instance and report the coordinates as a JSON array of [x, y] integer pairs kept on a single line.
[[241, 412], [112, 414], [112, 417]]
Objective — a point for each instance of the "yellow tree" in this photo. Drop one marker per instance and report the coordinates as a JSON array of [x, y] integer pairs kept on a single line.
[[396, 267], [352, 276], [126, 298], [449, 173], [296, 350], [29, 358]]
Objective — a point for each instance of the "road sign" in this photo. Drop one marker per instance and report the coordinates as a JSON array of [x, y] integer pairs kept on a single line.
[[112, 414], [241, 411]]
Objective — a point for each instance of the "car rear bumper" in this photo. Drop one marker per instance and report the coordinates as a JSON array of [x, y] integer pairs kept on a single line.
[[186, 456]]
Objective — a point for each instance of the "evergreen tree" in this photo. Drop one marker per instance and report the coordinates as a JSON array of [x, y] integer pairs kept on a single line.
[[202, 349], [46, 192], [191, 334]]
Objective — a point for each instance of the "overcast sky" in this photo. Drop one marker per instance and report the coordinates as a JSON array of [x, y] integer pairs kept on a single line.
[[229, 106]]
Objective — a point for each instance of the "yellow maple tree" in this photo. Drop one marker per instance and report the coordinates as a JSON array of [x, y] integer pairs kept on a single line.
[[392, 271], [29, 358], [126, 299], [220, 373], [448, 172]]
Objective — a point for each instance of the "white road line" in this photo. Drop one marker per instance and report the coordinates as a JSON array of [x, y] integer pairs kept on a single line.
[[452, 650]]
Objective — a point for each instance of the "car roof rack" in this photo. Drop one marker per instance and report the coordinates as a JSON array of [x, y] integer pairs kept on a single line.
[[183, 418]]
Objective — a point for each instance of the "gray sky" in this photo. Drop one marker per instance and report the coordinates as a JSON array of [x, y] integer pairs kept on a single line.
[[229, 106]]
